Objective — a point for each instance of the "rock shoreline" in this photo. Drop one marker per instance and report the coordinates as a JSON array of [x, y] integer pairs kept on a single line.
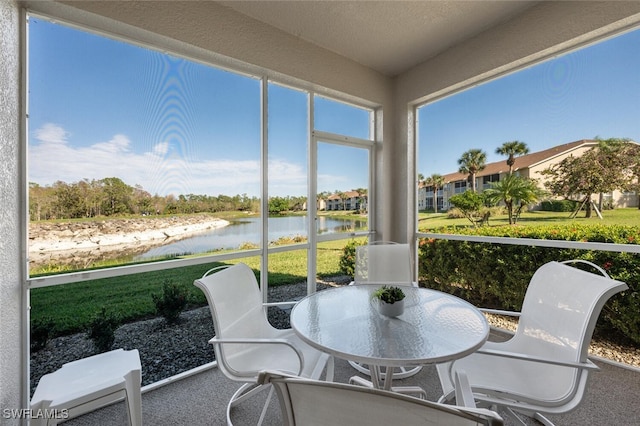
[[79, 243]]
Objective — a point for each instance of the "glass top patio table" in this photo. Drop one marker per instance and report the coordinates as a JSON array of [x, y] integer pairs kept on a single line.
[[344, 322]]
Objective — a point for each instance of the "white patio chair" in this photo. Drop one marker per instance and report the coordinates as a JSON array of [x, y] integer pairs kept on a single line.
[[311, 402], [87, 384], [544, 367], [384, 262], [245, 342]]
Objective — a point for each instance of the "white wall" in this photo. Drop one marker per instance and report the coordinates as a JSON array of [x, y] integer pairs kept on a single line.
[[11, 359]]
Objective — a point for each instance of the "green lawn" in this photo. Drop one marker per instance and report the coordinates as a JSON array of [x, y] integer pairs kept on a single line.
[[627, 216], [72, 306]]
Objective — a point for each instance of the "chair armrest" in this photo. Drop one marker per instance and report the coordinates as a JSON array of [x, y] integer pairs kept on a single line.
[[298, 352], [500, 312], [268, 305], [265, 376], [588, 365]]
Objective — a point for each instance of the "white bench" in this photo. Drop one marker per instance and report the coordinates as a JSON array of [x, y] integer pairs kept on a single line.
[[87, 384]]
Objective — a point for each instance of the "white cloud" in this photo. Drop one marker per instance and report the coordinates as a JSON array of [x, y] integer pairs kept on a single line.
[[118, 145], [161, 148], [159, 171], [51, 134], [154, 170]]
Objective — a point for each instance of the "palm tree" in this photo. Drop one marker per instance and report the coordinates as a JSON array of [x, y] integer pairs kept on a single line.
[[343, 198], [471, 163], [511, 150], [436, 181], [516, 192], [363, 195], [321, 199]]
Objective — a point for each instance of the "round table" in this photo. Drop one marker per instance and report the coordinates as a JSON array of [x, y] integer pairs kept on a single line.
[[344, 322]]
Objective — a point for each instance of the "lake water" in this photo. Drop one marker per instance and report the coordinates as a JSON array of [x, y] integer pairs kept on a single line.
[[247, 230]]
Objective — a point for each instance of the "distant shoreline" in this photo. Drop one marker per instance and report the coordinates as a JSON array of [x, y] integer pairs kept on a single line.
[[54, 242]]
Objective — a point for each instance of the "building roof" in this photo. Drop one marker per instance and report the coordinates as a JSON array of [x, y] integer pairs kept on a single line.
[[523, 161], [349, 194]]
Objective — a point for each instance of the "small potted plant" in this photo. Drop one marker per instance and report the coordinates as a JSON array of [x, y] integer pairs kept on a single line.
[[390, 300]]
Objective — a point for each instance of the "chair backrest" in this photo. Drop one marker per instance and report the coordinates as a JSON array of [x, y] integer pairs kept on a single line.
[[236, 306], [558, 316], [560, 310], [311, 402], [383, 263]]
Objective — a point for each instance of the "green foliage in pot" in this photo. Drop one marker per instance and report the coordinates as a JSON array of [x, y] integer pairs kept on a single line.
[[389, 294]]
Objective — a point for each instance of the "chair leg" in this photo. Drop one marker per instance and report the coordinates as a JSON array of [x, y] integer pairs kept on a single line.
[[538, 416], [447, 398], [357, 380], [514, 416], [404, 372], [360, 368], [247, 391], [266, 405], [542, 419], [331, 367]]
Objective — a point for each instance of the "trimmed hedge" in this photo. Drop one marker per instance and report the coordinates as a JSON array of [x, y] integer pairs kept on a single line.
[[559, 205], [497, 275]]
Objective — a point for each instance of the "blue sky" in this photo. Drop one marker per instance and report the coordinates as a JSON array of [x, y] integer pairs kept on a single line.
[[587, 93], [101, 108]]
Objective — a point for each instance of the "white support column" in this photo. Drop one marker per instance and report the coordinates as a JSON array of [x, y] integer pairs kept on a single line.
[[13, 351], [312, 185], [264, 187]]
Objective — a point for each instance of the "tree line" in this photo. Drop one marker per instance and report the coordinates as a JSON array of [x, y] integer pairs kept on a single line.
[[111, 197]]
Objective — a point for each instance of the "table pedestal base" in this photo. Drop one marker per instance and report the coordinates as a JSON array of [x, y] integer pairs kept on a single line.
[[407, 390]]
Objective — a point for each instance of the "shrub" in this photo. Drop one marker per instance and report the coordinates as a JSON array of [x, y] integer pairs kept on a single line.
[[497, 210], [348, 258], [468, 202], [41, 331], [455, 213], [497, 275], [288, 240], [102, 330], [171, 302], [558, 205], [248, 246]]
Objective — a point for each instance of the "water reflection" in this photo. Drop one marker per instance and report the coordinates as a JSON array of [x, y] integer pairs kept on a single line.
[[247, 231]]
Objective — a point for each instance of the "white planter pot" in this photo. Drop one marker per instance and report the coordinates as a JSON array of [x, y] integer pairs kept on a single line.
[[391, 309]]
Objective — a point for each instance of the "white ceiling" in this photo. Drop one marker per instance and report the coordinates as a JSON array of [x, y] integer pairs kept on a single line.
[[389, 36]]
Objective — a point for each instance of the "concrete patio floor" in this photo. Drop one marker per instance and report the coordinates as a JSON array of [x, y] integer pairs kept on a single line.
[[201, 399]]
